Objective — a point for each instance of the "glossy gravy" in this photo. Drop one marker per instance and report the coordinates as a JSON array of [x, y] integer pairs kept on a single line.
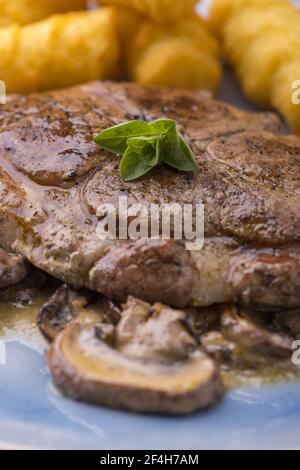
[[18, 323]]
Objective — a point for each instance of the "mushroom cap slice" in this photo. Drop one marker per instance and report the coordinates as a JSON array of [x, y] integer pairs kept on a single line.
[[289, 320], [253, 340], [154, 333], [215, 345], [85, 367], [13, 269], [66, 305], [204, 319], [60, 309]]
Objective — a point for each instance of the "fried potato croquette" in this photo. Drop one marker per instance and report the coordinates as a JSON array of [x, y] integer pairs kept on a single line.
[[28, 11], [161, 11], [222, 10], [177, 62], [240, 32], [263, 57], [262, 41], [149, 33], [58, 52], [182, 55]]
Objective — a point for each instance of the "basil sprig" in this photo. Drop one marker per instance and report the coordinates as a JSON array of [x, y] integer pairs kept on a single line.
[[144, 145]]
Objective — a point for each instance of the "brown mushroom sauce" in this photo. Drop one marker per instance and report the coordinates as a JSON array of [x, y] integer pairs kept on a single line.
[[252, 347]]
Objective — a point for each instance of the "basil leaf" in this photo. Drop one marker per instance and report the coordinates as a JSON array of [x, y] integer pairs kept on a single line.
[[179, 156], [139, 158], [115, 138], [145, 145], [189, 157], [164, 126]]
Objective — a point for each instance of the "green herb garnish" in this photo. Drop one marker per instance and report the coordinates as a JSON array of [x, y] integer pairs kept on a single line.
[[144, 145]]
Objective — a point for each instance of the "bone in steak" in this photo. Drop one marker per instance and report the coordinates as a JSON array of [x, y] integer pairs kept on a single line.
[[53, 177]]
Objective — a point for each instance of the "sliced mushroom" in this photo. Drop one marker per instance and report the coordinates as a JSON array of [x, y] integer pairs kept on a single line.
[[204, 319], [13, 269], [218, 347], [255, 343], [154, 333], [290, 320], [67, 305], [149, 362], [62, 308], [111, 310]]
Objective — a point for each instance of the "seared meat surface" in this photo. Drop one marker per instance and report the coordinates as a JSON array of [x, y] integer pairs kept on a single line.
[[53, 178]]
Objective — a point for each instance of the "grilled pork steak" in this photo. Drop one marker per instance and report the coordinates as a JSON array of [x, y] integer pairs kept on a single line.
[[53, 177]]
